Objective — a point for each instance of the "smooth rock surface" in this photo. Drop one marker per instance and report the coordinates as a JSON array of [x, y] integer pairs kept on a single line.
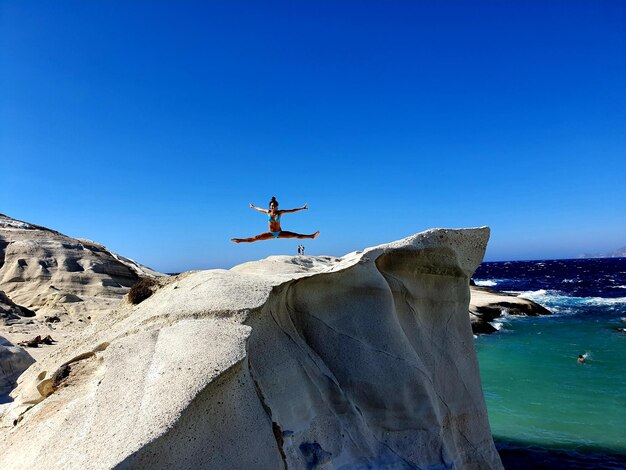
[[53, 274], [364, 361], [14, 360]]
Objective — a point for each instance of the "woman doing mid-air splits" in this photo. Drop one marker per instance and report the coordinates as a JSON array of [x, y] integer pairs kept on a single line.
[[273, 217]]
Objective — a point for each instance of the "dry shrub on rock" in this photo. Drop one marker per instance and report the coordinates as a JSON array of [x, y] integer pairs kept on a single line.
[[141, 290]]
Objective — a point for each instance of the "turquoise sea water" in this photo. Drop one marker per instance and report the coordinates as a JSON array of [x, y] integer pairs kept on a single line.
[[538, 393], [539, 397]]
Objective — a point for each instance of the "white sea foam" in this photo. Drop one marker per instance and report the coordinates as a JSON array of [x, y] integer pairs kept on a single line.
[[541, 294], [556, 298], [504, 319], [487, 283], [602, 301]]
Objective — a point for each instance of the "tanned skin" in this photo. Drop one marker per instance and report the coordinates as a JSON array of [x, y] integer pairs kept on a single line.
[[274, 225]]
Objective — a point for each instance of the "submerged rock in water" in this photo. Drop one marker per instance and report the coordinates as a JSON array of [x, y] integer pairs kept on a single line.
[[364, 361]]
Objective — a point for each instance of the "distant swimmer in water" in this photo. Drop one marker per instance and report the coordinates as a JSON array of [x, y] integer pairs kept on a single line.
[[273, 218], [582, 358]]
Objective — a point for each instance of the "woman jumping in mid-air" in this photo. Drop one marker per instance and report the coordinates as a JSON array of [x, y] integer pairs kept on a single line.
[[273, 217]]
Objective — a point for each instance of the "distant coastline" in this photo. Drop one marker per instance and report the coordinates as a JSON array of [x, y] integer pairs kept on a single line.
[[619, 253]]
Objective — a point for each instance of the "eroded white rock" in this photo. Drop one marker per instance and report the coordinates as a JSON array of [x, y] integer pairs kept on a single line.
[[312, 362], [53, 274], [14, 360]]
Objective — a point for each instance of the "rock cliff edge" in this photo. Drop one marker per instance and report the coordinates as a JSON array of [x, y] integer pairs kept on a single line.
[[364, 361]]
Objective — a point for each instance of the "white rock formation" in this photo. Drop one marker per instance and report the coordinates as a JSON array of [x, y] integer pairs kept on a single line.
[[365, 361], [487, 304], [50, 273], [13, 361], [11, 313]]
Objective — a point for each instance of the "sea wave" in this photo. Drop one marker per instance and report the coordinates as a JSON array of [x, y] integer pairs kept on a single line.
[[487, 282], [603, 300], [500, 323], [554, 298]]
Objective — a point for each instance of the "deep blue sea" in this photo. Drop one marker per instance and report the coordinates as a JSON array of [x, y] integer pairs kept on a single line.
[[546, 410]]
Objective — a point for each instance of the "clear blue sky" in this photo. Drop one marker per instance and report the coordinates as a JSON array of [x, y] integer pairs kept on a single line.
[[149, 127]]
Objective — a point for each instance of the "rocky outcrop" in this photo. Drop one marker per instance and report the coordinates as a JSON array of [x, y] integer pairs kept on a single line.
[[364, 361], [52, 274], [487, 304], [14, 360], [11, 313]]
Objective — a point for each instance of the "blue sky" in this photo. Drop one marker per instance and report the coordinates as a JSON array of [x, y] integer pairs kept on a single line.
[[149, 126]]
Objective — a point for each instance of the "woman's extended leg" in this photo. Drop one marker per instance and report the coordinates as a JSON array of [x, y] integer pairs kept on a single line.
[[284, 234], [261, 236]]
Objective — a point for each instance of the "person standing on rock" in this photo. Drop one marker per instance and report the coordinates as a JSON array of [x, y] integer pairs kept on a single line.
[[275, 231]]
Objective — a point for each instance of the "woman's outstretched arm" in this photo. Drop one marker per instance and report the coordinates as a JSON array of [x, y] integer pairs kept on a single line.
[[252, 206], [289, 211]]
